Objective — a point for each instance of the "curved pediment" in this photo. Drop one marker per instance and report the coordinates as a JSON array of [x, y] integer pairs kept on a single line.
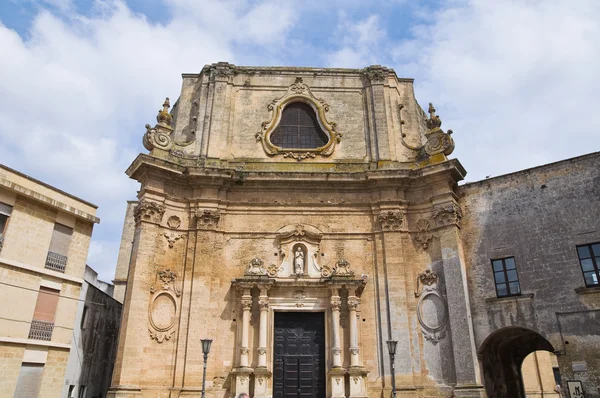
[[299, 232]]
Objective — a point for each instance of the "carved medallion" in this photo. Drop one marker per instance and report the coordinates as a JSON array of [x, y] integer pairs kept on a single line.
[[255, 268], [207, 219], [174, 222], [163, 308], [432, 309], [423, 236], [172, 238], [342, 268]]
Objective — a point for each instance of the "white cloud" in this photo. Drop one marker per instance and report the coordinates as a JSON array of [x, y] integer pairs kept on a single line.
[[77, 92], [360, 42], [513, 79]]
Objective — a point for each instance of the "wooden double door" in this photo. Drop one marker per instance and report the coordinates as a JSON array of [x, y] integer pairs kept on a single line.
[[299, 355]]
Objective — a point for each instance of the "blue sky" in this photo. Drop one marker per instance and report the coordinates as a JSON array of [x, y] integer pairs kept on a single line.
[[517, 80]]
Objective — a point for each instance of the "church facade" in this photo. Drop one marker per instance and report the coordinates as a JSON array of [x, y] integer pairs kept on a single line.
[[302, 218]]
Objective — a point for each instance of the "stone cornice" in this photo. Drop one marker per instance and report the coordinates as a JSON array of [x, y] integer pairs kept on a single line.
[[145, 165]]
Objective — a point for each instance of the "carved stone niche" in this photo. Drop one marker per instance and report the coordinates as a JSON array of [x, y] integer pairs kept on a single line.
[[299, 247]]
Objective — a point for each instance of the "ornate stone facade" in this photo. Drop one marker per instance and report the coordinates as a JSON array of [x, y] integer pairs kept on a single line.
[[363, 231]]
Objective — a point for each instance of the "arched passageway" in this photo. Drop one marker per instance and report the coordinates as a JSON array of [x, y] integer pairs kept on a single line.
[[502, 354]]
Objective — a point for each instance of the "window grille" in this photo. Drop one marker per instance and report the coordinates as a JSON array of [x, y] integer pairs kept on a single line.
[[299, 128]]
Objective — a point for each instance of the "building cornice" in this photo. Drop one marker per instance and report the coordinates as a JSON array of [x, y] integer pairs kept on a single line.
[[40, 271]]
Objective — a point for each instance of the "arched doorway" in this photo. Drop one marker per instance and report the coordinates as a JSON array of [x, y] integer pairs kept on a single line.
[[502, 354], [541, 375]]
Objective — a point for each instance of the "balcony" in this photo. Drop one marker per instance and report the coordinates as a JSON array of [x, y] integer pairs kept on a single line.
[[56, 262], [41, 330]]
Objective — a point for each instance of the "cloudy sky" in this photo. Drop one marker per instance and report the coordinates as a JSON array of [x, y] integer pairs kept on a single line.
[[517, 81]]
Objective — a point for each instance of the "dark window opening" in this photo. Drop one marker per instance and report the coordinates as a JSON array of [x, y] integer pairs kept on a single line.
[[589, 259], [299, 128], [506, 278]]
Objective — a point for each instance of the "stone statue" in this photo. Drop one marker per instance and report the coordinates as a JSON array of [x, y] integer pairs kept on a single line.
[[299, 261]]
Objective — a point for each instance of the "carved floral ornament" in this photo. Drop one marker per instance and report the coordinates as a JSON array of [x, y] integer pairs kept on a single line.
[[163, 307], [391, 220], [207, 218], [424, 235], [448, 214], [298, 92]]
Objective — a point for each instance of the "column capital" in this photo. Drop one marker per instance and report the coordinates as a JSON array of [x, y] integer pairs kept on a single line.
[[336, 303], [263, 303]]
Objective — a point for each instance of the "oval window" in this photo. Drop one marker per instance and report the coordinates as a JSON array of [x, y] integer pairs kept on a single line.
[[299, 128]]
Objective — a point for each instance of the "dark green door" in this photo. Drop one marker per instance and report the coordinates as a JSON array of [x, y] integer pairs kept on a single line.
[[299, 355]]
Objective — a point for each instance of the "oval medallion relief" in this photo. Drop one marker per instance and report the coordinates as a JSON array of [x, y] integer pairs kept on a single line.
[[162, 311], [432, 312]]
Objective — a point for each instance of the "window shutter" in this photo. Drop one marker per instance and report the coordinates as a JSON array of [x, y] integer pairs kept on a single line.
[[61, 238], [45, 307], [29, 381]]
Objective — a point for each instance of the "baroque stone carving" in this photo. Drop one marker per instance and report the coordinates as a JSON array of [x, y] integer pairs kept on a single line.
[[437, 140], [298, 92], [218, 382], [172, 238], [256, 268], [428, 293], [342, 268], [174, 222], [150, 211], [160, 136], [207, 219], [423, 236], [326, 271], [163, 307], [273, 270], [376, 73], [391, 220], [448, 214]]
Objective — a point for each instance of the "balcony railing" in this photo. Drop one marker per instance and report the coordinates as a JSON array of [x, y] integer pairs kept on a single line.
[[1, 242], [56, 262], [41, 330]]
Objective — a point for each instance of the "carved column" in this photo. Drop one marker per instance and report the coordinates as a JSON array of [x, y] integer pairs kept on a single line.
[[246, 306], [261, 375], [336, 350], [263, 303], [337, 374], [353, 303]]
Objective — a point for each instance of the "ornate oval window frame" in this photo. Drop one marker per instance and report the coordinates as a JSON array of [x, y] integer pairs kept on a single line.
[[298, 92], [155, 297]]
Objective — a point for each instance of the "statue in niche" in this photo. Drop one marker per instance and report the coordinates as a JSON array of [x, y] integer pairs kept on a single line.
[[299, 261]]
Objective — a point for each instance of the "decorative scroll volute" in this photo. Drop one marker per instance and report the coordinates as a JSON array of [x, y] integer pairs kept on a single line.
[[298, 92]]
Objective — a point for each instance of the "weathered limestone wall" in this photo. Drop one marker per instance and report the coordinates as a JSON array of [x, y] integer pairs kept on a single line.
[[538, 216], [223, 108], [124, 258]]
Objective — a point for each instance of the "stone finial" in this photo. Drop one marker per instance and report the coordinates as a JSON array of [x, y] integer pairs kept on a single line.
[[434, 122], [164, 117]]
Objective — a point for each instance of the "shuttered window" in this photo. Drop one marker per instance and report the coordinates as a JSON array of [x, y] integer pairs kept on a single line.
[[5, 211], [299, 128], [61, 239], [45, 307], [29, 381]]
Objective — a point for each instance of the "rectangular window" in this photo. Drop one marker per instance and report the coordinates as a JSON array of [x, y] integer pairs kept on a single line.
[[506, 278], [82, 392], [5, 211], [42, 323], [59, 248], [589, 259]]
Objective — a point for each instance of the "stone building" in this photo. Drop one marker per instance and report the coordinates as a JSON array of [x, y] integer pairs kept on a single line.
[[301, 218], [94, 343], [44, 240]]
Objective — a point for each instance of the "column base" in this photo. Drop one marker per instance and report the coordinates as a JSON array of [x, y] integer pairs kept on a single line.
[[469, 391], [262, 383], [240, 380], [337, 380], [358, 382], [124, 392]]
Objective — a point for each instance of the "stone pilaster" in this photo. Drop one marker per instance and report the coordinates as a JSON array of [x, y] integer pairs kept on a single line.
[[263, 303]]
